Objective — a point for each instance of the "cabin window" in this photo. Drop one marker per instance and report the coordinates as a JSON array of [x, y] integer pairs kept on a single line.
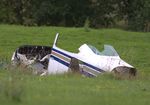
[[108, 51]]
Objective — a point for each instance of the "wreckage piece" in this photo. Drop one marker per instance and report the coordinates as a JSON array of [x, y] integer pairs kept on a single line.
[[35, 57], [89, 61], [123, 71]]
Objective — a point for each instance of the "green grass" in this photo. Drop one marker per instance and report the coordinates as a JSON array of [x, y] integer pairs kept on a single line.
[[17, 87]]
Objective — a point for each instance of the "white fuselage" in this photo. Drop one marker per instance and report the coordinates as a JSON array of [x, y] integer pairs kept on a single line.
[[60, 60]]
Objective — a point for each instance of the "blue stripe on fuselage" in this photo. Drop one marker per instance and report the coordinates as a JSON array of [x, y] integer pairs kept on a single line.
[[87, 74], [93, 67], [89, 65], [60, 61], [66, 64], [61, 53]]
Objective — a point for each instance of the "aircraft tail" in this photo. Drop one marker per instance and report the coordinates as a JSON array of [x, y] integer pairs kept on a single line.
[[55, 41]]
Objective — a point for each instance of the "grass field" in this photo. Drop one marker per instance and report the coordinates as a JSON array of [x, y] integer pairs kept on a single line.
[[17, 87]]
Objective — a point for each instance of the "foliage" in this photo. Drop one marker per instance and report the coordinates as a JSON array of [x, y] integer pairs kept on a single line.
[[87, 25], [101, 13], [136, 13]]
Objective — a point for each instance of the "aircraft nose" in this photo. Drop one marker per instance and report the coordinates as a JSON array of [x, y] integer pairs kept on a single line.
[[125, 71]]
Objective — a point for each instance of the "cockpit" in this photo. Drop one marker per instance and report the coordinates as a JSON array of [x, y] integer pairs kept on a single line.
[[108, 50]]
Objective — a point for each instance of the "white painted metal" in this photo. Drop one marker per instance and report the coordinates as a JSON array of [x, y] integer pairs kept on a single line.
[[103, 62]]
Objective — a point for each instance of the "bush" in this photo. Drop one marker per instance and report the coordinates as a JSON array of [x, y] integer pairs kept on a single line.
[[87, 25]]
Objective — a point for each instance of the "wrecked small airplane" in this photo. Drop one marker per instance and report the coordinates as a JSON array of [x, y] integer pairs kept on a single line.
[[34, 57], [88, 62]]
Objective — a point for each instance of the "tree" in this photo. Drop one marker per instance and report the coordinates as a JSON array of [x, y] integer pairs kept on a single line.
[[100, 13], [136, 13], [104, 12]]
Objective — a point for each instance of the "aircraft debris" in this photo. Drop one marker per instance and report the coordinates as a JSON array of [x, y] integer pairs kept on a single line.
[[54, 60], [32, 56]]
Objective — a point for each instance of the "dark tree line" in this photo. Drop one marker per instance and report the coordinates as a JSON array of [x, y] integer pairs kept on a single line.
[[135, 14]]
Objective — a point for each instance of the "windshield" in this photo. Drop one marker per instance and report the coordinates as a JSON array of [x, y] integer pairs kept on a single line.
[[108, 50]]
